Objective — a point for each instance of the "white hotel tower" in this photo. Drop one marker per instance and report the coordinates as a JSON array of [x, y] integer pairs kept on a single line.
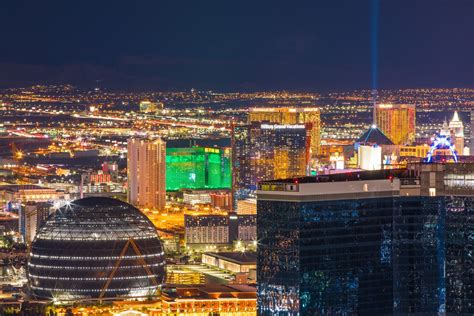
[[457, 129]]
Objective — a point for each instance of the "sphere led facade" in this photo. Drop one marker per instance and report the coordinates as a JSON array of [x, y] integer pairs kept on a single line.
[[96, 248]]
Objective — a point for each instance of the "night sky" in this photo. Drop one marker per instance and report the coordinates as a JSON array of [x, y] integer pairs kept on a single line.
[[236, 45]]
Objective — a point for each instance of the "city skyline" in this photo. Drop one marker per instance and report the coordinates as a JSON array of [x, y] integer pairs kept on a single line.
[[218, 158]]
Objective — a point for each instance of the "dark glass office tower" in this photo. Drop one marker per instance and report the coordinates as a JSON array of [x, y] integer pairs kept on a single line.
[[418, 255], [263, 151], [460, 255], [366, 243], [241, 148]]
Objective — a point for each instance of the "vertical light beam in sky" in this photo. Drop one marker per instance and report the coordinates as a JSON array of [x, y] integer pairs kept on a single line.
[[374, 40]]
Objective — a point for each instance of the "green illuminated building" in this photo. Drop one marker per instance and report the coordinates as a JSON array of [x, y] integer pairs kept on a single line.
[[198, 168]]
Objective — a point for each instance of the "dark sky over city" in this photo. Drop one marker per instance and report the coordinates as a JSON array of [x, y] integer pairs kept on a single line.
[[237, 45]]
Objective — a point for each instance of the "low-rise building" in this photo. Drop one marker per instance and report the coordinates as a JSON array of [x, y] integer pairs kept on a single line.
[[202, 231], [204, 300], [28, 192], [236, 262], [181, 275]]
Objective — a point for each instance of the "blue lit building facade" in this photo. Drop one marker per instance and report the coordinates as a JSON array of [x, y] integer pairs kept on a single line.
[[368, 243]]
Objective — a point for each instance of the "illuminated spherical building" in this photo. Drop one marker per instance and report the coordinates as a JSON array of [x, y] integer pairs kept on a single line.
[[96, 248]]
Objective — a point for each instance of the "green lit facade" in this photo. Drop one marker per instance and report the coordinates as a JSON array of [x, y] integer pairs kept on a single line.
[[198, 168]]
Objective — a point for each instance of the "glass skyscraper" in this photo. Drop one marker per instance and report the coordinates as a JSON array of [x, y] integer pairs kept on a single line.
[[310, 117], [264, 151], [275, 143], [367, 243]]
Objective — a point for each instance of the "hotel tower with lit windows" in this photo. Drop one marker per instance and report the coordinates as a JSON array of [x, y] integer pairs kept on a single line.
[[397, 122], [275, 143], [146, 173]]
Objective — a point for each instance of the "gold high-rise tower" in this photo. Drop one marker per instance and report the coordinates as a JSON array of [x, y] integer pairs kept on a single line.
[[146, 170], [397, 122]]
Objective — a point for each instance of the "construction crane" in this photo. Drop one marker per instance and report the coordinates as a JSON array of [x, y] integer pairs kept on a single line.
[[140, 260]]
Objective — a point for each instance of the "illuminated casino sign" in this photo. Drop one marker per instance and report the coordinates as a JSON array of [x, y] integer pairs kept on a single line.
[[441, 142]]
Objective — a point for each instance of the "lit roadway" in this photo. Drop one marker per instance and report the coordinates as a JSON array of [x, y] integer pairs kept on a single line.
[[188, 125], [100, 117], [22, 133], [174, 122]]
